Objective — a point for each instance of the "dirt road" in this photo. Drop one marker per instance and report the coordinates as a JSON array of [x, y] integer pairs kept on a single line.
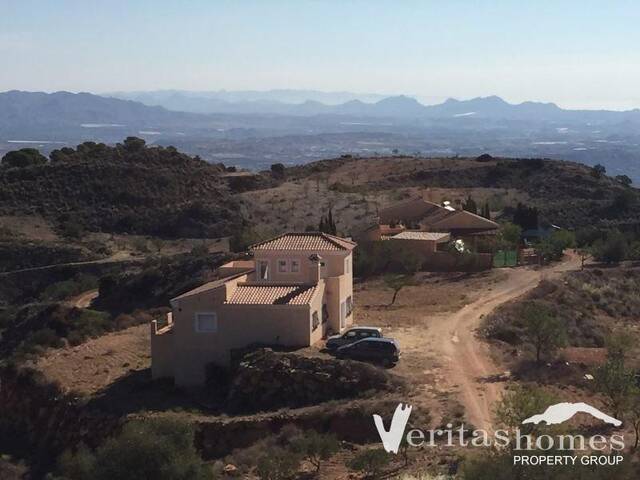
[[466, 363], [85, 299]]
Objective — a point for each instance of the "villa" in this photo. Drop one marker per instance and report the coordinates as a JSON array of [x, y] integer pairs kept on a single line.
[[418, 219], [297, 288]]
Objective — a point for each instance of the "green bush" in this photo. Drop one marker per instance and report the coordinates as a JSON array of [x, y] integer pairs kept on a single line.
[[315, 447], [277, 463], [159, 449], [614, 248], [370, 462]]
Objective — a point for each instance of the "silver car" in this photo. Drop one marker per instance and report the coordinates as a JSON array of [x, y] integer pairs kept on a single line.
[[352, 335]]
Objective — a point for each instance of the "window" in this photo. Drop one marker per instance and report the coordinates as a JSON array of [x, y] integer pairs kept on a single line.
[[206, 322], [283, 266], [315, 321], [325, 313], [347, 265], [264, 270], [351, 334], [295, 266], [349, 306]]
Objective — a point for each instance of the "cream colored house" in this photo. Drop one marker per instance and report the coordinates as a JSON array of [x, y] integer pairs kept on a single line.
[[297, 288]]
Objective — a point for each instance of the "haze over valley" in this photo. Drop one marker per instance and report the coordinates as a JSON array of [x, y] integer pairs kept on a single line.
[[254, 129]]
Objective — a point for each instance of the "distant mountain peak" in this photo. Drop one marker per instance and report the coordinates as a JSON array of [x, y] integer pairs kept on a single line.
[[399, 100], [491, 100]]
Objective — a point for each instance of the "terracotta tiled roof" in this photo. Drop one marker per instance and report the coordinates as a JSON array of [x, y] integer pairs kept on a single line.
[[308, 241], [254, 294], [412, 235], [435, 216], [212, 285]]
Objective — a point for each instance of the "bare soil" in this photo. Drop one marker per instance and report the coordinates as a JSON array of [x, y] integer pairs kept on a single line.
[[436, 326], [92, 366]]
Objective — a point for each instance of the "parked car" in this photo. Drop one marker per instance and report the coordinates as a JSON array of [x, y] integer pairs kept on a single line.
[[352, 335], [382, 350]]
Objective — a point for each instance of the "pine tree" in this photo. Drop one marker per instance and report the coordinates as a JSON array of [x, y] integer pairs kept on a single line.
[[486, 211], [470, 205]]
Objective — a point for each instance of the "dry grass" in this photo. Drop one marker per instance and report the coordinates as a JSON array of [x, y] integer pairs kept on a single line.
[[96, 364], [356, 190]]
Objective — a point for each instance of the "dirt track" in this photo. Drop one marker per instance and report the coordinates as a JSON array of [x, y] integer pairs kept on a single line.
[[465, 360]]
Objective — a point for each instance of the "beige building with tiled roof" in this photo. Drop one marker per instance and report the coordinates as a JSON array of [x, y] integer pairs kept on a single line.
[[297, 288], [431, 217]]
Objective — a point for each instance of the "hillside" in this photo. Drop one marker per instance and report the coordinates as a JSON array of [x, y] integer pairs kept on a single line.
[[567, 194], [128, 188], [592, 303]]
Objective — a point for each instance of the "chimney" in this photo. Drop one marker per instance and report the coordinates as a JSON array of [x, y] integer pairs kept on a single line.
[[314, 268]]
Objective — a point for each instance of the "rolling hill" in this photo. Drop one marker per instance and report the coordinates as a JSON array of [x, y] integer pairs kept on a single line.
[[126, 188]]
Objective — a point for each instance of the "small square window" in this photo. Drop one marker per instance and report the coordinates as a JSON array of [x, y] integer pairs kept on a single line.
[[206, 323], [282, 266], [295, 266]]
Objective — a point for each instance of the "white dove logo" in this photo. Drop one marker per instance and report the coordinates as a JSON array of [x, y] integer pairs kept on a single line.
[[561, 412], [392, 438]]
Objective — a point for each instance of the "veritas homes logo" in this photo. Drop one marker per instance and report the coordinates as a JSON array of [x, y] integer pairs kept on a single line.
[[553, 415]]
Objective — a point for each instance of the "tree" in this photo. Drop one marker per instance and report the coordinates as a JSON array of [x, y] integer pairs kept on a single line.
[[370, 462], [521, 402], [134, 144], [509, 235], [277, 463], [397, 283], [618, 383], [486, 211], [526, 217], [315, 447], [624, 180], [612, 249], [552, 248], [543, 330], [158, 448], [470, 205], [24, 157], [585, 254], [327, 224], [277, 170], [619, 344], [598, 170]]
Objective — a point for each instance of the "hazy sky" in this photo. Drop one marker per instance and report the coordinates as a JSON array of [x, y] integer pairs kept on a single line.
[[575, 53]]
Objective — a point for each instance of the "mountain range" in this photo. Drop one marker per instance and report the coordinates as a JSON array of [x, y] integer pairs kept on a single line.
[[63, 108], [254, 130], [307, 103]]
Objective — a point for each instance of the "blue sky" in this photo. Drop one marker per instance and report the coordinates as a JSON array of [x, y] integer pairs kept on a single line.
[[575, 53]]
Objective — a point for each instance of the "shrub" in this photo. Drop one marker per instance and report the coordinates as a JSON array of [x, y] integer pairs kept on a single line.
[[277, 463], [24, 157], [370, 462], [315, 447], [611, 250], [158, 448]]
